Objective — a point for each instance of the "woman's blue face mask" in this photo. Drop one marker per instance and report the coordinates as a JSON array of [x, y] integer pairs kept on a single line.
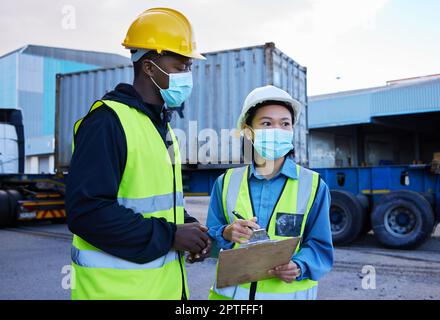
[[273, 144], [179, 88]]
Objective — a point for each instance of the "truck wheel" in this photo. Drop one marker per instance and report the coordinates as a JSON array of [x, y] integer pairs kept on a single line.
[[346, 216], [14, 197], [402, 219], [5, 211], [365, 204]]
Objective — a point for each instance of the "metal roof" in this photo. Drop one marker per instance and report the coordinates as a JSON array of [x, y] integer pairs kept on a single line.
[[102, 59], [360, 106]]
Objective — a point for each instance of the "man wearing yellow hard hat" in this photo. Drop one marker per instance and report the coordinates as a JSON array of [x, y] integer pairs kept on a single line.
[[124, 194]]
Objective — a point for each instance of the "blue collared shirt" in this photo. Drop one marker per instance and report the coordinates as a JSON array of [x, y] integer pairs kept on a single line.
[[316, 255]]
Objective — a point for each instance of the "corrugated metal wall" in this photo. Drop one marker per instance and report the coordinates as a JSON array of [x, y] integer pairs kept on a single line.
[[290, 76], [51, 68], [36, 91], [403, 99], [8, 81], [94, 58], [221, 83], [339, 111]]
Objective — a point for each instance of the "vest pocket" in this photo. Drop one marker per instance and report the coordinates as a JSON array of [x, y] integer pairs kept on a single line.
[[288, 224]]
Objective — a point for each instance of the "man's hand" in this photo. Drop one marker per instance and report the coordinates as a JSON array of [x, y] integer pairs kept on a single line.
[[191, 237], [199, 257], [286, 272], [239, 229]]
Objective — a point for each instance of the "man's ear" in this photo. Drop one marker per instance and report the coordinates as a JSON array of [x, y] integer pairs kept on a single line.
[[147, 68], [248, 132]]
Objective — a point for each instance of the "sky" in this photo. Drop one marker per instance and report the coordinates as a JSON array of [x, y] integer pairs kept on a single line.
[[345, 44]]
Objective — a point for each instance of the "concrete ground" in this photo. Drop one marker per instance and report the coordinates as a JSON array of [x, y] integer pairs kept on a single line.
[[32, 257]]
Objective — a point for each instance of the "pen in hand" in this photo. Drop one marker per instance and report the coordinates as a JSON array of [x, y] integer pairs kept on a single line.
[[239, 216], [240, 230]]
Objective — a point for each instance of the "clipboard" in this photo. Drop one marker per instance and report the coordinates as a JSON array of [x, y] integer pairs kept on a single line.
[[250, 263]]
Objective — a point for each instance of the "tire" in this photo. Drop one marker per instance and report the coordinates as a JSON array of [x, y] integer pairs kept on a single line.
[[5, 209], [402, 219], [14, 197], [347, 216], [365, 204]]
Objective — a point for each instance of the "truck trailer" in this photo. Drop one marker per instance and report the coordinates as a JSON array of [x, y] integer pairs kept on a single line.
[[400, 203], [24, 196]]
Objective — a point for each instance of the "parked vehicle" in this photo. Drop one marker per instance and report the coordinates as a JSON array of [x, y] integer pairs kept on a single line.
[[401, 203], [23, 196]]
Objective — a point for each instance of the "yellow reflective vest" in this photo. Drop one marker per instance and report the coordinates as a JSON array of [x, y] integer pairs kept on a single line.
[[296, 198], [99, 275]]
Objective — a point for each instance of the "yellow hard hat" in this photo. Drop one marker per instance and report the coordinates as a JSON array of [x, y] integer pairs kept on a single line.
[[162, 29]]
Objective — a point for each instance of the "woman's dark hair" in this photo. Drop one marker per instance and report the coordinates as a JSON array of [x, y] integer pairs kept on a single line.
[[253, 111]]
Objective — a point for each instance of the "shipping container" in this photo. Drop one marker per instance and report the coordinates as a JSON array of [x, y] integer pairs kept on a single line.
[[221, 83]]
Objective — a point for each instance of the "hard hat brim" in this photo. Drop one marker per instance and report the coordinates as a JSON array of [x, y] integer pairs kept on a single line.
[[195, 55]]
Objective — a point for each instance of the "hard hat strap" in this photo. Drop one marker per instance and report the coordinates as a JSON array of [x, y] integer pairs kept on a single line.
[[159, 68], [155, 83], [137, 54]]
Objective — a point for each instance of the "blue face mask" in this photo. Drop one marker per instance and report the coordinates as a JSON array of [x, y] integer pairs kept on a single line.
[[273, 144], [179, 88]]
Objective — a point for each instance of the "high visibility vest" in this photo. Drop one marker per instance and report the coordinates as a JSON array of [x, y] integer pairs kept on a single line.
[[296, 199], [151, 185]]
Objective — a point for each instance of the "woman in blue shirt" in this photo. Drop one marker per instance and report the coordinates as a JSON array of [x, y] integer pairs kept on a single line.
[[267, 120]]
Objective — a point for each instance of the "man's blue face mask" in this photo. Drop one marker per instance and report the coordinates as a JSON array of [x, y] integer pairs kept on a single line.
[[179, 87], [273, 144]]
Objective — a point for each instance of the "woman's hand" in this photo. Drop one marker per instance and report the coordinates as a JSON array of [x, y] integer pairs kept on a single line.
[[286, 272], [239, 231]]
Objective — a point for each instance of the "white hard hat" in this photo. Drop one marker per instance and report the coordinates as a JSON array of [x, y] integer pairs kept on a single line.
[[268, 93]]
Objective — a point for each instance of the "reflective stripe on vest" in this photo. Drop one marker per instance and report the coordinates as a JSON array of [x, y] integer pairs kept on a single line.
[[233, 188], [152, 204], [304, 189], [100, 259], [240, 293]]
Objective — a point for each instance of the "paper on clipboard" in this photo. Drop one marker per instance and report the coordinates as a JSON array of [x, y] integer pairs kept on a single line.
[[251, 263]]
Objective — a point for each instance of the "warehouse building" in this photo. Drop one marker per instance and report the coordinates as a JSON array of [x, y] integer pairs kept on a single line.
[[28, 82], [398, 123]]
